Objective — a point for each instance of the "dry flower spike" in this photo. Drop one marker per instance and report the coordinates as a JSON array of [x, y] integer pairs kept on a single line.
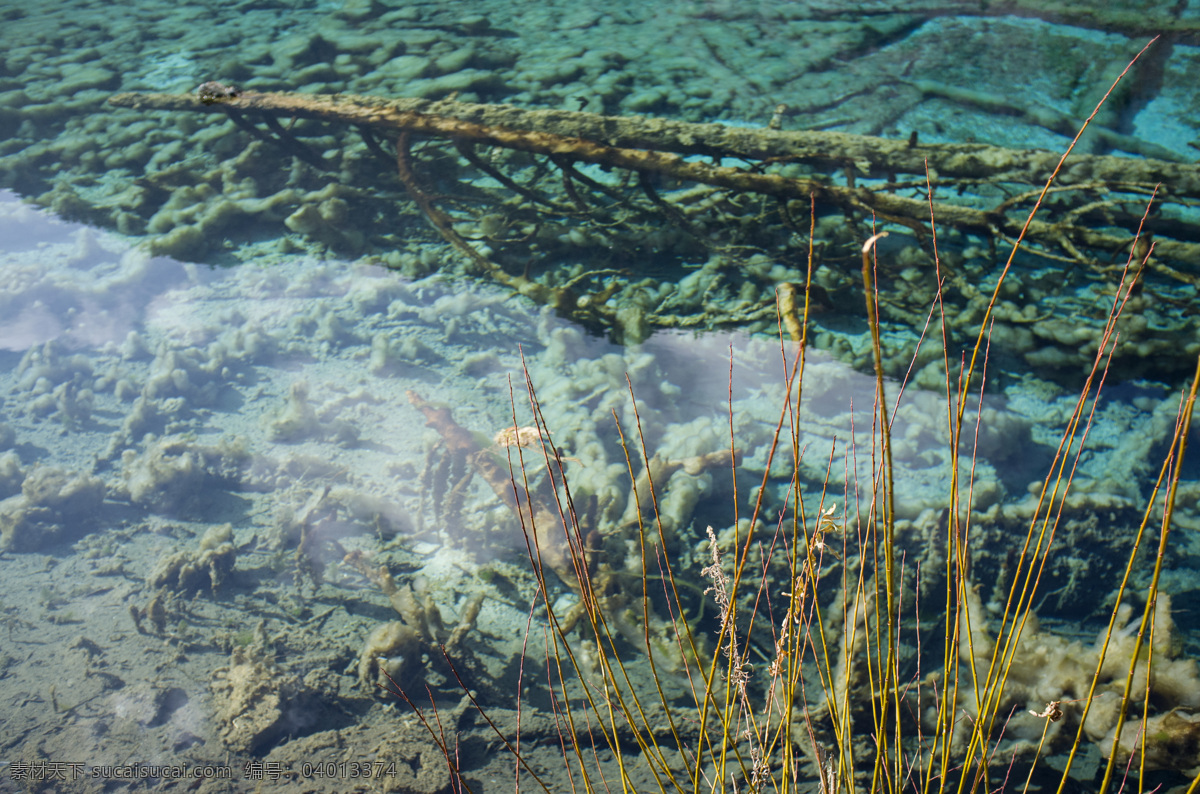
[[1052, 712]]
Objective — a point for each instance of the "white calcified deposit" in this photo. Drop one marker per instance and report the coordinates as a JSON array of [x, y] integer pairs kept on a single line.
[[171, 379]]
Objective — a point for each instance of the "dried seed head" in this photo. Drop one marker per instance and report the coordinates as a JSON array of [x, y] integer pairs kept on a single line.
[[1053, 711], [518, 436]]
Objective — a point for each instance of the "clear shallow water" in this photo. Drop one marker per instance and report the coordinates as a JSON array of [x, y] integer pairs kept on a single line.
[[196, 456]]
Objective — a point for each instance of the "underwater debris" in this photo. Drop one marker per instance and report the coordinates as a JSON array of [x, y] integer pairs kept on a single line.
[[535, 510], [1170, 740], [518, 436], [174, 473], [650, 145], [570, 133], [257, 701], [203, 568], [53, 505], [299, 420], [212, 91], [11, 475], [391, 653], [592, 212], [155, 612], [396, 651]]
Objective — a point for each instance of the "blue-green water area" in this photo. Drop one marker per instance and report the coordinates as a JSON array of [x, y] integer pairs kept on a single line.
[[257, 376]]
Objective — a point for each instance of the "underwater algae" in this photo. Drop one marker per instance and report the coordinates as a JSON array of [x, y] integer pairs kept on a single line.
[[273, 399]]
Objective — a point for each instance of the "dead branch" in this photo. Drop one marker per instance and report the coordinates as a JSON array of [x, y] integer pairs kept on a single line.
[[539, 519], [568, 132], [654, 146]]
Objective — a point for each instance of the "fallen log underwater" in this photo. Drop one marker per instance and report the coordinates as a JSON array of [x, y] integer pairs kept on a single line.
[[1098, 200]]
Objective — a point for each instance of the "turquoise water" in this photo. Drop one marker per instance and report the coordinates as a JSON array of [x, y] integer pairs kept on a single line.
[[224, 514]]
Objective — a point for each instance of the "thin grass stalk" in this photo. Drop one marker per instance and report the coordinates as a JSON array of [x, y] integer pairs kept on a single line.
[[944, 725], [1045, 539], [1138, 536], [555, 710], [441, 734], [588, 598], [1150, 659], [1019, 605], [521, 680], [1194, 785], [955, 535], [791, 378], [495, 729], [623, 705], [776, 726], [806, 582], [795, 377], [935, 306], [746, 713], [773, 728], [1040, 550], [1037, 753], [735, 665], [963, 535], [1017, 612], [668, 571], [1029, 220], [865, 531], [438, 736], [840, 721], [727, 720], [533, 549], [795, 654], [765, 732], [964, 382], [825, 668], [801, 579], [922, 762], [716, 753], [765, 746], [599, 623], [1016, 616], [560, 693], [794, 658], [888, 672], [1174, 464], [958, 559]]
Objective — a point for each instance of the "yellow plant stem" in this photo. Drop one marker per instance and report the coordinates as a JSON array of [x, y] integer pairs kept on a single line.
[[1174, 464]]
